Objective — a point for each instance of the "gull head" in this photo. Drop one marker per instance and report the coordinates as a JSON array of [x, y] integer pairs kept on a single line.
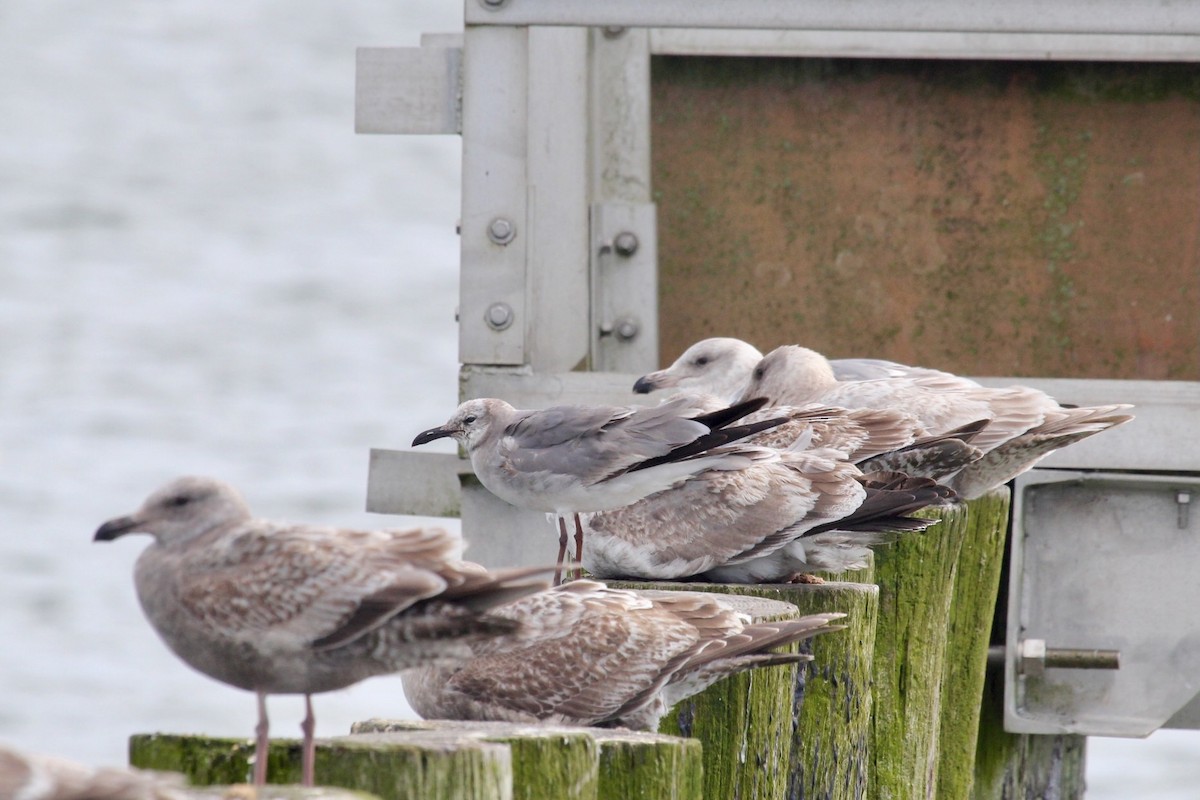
[[184, 508], [718, 366], [470, 423], [790, 375]]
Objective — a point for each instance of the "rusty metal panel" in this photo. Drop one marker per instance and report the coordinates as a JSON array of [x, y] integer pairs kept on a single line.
[[996, 218]]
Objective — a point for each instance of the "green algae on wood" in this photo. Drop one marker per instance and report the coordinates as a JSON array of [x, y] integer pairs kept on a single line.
[[631, 764], [1012, 766], [645, 766], [822, 718], [429, 768], [832, 697], [976, 586], [743, 722], [272, 792], [916, 583]]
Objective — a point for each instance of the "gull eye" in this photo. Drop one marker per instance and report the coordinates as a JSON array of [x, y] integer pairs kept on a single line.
[[469, 418], [179, 500], [701, 361], [758, 373]]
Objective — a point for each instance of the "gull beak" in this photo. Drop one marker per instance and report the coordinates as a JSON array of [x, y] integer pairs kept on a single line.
[[424, 437], [655, 380], [115, 528]]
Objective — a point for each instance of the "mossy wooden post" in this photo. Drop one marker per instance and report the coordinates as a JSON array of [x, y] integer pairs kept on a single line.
[[972, 608], [444, 767], [825, 742], [649, 767], [271, 792], [630, 764], [1010, 766]]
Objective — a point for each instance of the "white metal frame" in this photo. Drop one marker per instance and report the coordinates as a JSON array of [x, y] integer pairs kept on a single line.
[[558, 286]]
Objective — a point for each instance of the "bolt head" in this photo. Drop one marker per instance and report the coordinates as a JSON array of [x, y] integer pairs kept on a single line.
[[625, 244], [501, 231], [498, 316], [492, 4]]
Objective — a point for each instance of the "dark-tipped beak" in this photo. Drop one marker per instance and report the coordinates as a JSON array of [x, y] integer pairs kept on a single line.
[[424, 437], [115, 528], [648, 383]]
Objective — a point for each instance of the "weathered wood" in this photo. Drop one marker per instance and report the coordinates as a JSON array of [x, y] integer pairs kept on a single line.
[[916, 582], [823, 711], [270, 792], [629, 763], [1023, 766], [741, 720], [649, 766], [976, 586], [429, 767]]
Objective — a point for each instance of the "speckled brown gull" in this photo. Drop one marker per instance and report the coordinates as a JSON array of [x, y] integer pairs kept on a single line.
[[590, 655], [721, 366], [280, 608], [812, 510], [570, 459], [1023, 424], [32, 776]]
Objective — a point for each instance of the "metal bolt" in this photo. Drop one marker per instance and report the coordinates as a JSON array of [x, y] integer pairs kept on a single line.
[[501, 231], [499, 316], [625, 328], [625, 243], [492, 4], [1034, 658]]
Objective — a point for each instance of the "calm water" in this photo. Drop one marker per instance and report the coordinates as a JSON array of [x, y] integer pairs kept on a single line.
[[204, 270]]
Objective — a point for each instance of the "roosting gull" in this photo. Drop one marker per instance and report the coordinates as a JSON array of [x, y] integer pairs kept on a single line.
[[571, 459], [810, 510], [722, 365], [29, 776], [1023, 424], [876, 439], [590, 655], [280, 608]]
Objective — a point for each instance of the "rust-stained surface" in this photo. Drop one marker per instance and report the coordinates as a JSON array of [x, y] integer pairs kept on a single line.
[[990, 218]]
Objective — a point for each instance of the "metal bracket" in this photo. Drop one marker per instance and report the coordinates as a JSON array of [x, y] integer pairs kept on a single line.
[[1096, 558], [408, 89], [624, 286]]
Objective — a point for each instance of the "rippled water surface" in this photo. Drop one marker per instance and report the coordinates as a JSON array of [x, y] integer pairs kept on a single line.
[[204, 270]]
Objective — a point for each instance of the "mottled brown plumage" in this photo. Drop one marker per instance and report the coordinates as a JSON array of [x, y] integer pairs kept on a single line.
[[589, 655], [29, 776], [279, 608]]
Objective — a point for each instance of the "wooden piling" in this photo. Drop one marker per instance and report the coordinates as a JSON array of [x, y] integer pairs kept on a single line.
[[824, 714], [972, 609], [422, 760], [435, 767]]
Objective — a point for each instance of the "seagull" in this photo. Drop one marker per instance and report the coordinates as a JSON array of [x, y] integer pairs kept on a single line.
[[33, 776], [722, 366], [280, 608], [775, 522], [1023, 424], [586, 654], [570, 459]]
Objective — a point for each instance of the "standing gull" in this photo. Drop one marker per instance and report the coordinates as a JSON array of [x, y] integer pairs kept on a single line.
[[589, 655], [279, 608], [1023, 424], [571, 459]]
